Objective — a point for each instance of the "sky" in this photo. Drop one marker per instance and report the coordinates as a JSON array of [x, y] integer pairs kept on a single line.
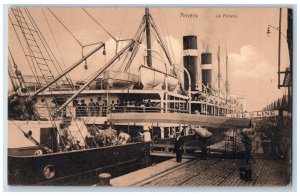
[[251, 52]]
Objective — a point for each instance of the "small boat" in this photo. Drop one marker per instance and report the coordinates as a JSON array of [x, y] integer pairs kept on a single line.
[[152, 78]]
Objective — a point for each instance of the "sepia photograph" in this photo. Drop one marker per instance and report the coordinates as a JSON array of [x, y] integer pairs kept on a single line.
[[149, 96]]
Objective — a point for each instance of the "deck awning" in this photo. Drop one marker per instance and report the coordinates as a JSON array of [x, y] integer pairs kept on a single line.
[[179, 118]]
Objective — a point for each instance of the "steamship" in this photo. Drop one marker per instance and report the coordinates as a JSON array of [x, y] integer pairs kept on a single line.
[[164, 102]]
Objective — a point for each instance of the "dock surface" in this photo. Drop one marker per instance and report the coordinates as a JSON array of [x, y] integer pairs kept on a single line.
[[211, 172], [141, 175]]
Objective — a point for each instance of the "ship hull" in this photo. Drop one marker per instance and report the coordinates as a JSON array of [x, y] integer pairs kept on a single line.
[[74, 167]]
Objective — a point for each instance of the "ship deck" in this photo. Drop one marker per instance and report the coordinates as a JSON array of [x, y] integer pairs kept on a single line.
[[210, 172]]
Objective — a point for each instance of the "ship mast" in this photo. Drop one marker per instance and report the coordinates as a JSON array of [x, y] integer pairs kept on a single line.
[[226, 82], [148, 37], [219, 73]]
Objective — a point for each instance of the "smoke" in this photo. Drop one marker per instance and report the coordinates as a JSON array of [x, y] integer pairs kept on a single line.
[[206, 30], [205, 46]]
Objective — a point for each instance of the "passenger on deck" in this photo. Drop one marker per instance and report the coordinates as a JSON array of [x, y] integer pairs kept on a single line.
[[112, 105], [92, 107], [142, 104], [53, 105], [130, 106], [77, 108], [83, 108], [148, 104], [98, 106], [122, 106], [104, 108], [117, 106]]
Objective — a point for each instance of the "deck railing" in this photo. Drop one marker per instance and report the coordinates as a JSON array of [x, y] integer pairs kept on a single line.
[[103, 111]]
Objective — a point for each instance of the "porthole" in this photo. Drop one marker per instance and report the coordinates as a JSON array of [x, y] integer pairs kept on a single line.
[[49, 171]]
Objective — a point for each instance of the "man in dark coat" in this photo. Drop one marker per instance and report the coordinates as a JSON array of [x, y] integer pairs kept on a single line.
[[83, 108], [248, 147], [203, 146], [178, 148], [91, 107]]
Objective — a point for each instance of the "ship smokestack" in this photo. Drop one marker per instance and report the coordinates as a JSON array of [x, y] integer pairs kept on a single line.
[[190, 61], [206, 67]]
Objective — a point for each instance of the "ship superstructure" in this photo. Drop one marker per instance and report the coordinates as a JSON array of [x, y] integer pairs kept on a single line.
[[65, 114]]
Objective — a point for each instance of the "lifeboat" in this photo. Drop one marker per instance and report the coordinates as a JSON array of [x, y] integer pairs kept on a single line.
[[152, 78], [120, 79]]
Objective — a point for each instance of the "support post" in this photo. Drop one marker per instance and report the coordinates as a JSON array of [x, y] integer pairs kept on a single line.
[[148, 36], [279, 47]]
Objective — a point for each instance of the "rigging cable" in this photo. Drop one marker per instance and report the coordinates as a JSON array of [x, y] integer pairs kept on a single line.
[[32, 68], [107, 90], [121, 31], [34, 73], [41, 38], [85, 66], [18, 76], [99, 24], [12, 77], [139, 37], [49, 111], [46, 46], [59, 52], [123, 23], [34, 57], [161, 14], [65, 27]]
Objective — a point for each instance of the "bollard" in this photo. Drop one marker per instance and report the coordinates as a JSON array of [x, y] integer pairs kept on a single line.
[[104, 179]]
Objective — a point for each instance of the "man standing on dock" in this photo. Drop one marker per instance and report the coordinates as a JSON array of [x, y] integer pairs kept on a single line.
[[178, 148], [248, 147]]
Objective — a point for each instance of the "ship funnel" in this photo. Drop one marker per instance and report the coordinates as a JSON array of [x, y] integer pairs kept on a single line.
[[190, 61], [206, 67]]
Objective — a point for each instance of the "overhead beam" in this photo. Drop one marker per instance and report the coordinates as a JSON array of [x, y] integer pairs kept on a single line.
[[68, 70]]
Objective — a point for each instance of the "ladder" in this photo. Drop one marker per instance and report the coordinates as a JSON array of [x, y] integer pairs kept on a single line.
[[35, 52]]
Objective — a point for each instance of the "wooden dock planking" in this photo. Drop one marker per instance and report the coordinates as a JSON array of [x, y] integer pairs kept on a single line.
[[213, 174], [182, 174], [276, 174], [138, 176], [218, 172]]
